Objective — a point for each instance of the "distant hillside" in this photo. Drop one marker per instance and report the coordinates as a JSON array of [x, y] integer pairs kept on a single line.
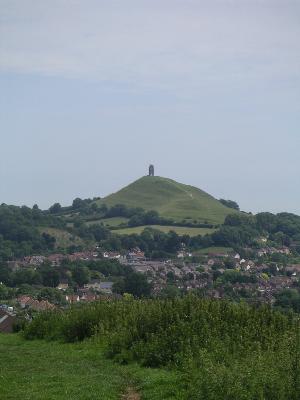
[[171, 200]]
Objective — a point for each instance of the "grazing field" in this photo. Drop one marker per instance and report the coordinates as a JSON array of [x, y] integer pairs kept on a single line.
[[215, 250], [63, 238], [180, 230], [40, 370], [171, 200], [109, 222]]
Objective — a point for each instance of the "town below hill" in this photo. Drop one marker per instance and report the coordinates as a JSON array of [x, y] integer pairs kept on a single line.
[[38, 283], [86, 252]]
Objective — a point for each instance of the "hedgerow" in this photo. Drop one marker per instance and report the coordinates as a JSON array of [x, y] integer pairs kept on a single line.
[[224, 350]]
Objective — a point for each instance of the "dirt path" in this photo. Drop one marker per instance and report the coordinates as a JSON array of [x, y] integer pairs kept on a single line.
[[131, 394]]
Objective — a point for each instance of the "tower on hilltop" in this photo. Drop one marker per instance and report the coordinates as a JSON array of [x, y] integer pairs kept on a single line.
[[151, 170]]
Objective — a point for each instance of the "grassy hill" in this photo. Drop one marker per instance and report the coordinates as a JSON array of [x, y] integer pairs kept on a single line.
[[171, 200]]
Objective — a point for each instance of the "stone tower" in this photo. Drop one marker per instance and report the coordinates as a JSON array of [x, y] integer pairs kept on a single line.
[[151, 170]]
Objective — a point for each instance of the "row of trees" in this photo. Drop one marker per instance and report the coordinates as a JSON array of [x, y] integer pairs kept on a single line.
[[245, 230], [90, 209], [19, 233]]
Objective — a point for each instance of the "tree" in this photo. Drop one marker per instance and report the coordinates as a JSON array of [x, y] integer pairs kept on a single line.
[[49, 240], [77, 203], [288, 298], [94, 207], [52, 295], [5, 274], [230, 204], [50, 276], [170, 292], [229, 262], [135, 284], [56, 208], [173, 242], [170, 276], [5, 292], [29, 276], [81, 275]]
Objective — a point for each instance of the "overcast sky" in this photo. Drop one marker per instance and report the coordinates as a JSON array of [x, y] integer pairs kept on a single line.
[[92, 91]]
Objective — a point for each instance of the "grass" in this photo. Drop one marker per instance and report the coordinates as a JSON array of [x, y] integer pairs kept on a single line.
[[110, 222], [180, 230], [40, 370], [215, 250], [63, 238], [171, 199]]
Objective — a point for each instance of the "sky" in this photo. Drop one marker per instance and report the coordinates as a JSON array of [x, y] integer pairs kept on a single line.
[[93, 91]]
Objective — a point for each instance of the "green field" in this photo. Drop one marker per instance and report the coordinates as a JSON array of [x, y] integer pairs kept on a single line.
[[215, 250], [63, 238], [171, 200], [180, 230], [40, 370], [110, 222]]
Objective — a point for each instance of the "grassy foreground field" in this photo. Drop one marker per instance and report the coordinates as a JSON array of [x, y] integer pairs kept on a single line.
[[180, 230], [171, 200], [40, 370]]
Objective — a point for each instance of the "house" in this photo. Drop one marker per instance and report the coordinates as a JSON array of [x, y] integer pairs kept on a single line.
[[84, 256], [136, 254], [106, 287], [63, 286], [42, 305], [29, 302], [280, 282], [89, 296], [262, 252], [143, 268], [112, 255], [34, 260], [273, 250], [7, 320], [176, 271], [293, 269], [246, 266], [183, 254], [95, 284], [284, 250], [56, 259], [25, 301], [72, 298]]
